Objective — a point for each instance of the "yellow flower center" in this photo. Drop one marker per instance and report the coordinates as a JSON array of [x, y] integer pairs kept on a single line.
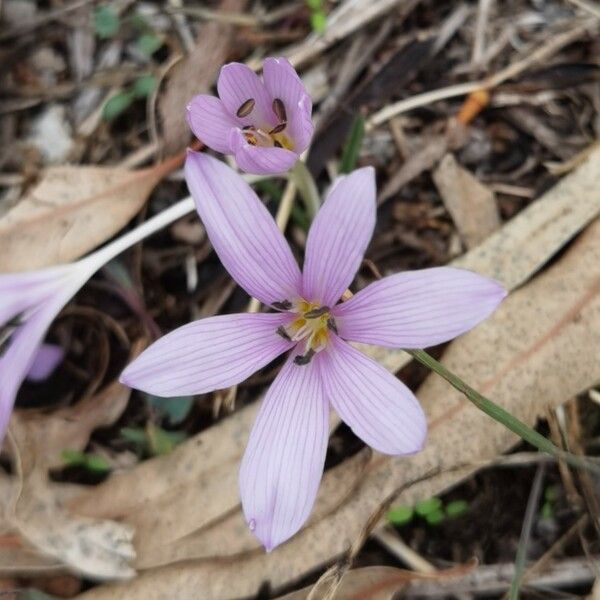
[[312, 325]]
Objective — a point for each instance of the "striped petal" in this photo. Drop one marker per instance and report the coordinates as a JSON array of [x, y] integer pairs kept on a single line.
[[207, 355], [236, 85], [284, 459], [260, 160], [242, 231], [417, 309], [378, 407], [339, 236], [211, 123], [282, 81]]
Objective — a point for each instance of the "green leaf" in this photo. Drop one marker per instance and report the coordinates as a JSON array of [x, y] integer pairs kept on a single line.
[[91, 462], [314, 5], [435, 517], [149, 43], [117, 105], [318, 21], [73, 458], [428, 506], [456, 508], [400, 515], [547, 511], [106, 21], [143, 86], [136, 435], [174, 409], [97, 464], [550, 493], [353, 143], [162, 442]]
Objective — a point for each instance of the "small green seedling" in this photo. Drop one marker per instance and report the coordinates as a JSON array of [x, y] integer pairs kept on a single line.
[[106, 21], [400, 515], [431, 510], [152, 440], [90, 462]]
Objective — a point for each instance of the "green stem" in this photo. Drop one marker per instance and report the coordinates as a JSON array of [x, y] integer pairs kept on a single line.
[[502, 416], [307, 188]]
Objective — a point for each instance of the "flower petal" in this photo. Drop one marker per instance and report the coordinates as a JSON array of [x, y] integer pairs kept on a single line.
[[284, 459], [237, 84], [242, 231], [260, 160], [417, 309], [339, 236], [378, 407], [209, 354], [211, 123], [17, 359], [47, 358], [282, 81]]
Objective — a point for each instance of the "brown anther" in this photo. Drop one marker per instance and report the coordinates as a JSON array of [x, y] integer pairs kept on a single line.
[[248, 128], [283, 333], [279, 110], [250, 138], [304, 359], [278, 128], [246, 108], [316, 312], [277, 144], [283, 305], [331, 325]]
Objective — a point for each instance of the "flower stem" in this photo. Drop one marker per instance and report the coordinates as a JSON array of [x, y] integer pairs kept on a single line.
[[502, 416], [307, 187]]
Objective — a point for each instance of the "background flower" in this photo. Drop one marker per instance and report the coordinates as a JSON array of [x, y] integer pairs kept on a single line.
[[265, 124]]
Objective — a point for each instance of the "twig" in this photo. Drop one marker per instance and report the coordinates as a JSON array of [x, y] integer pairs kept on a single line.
[[543, 52], [483, 14], [593, 9], [394, 544]]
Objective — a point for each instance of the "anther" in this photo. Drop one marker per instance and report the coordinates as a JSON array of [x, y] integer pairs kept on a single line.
[[246, 108], [304, 359], [278, 128], [279, 110], [283, 305], [277, 144], [331, 325], [283, 333], [316, 312], [248, 128]]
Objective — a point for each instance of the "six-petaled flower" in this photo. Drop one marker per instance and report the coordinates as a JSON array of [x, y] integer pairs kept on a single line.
[[265, 124], [284, 459]]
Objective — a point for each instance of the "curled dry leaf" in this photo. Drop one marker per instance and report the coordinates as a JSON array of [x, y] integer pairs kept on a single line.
[[72, 210], [518, 353], [470, 203]]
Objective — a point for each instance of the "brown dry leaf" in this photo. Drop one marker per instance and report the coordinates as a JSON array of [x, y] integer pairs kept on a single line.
[[371, 583], [195, 75], [537, 350], [72, 210], [471, 204]]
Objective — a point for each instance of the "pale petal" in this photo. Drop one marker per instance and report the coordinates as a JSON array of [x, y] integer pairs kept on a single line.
[[339, 236], [238, 83], [20, 354], [47, 358], [378, 407], [417, 309], [284, 459], [209, 354], [242, 231], [211, 123], [282, 81], [260, 160]]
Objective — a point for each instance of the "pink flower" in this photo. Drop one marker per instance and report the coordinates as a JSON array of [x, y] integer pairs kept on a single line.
[[283, 462], [265, 124], [28, 304]]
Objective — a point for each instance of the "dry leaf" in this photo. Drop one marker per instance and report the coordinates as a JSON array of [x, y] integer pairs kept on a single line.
[[537, 350], [72, 210], [195, 75], [471, 204]]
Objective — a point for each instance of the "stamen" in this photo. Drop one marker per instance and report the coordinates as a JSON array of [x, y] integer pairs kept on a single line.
[[246, 108], [248, 128], [283, 333], [283, 305], [278, 128], [331, 325], [316, 312], [304, 359], [277, 144], [279, 110]]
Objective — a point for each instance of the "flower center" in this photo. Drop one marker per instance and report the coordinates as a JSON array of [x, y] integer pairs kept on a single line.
[[263, 135], [312, 324]]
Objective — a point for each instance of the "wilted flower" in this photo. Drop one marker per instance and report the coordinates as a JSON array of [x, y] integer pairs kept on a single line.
[[283, 462], [28, 304], [265, 124]]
